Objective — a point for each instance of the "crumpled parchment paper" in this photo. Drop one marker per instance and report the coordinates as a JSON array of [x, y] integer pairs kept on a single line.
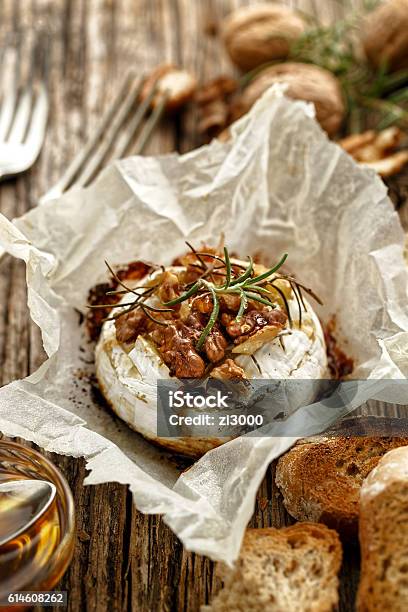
[[278, 186]]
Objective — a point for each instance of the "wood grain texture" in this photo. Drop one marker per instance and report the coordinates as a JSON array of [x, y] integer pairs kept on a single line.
[[123, 560]]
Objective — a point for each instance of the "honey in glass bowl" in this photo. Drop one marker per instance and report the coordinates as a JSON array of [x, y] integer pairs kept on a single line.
[[40, 549]]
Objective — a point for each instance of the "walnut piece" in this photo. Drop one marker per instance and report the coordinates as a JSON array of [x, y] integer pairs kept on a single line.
[[256, 34], [179, 85], [130, 325], [385, 35], [178, 351], [251, 323], [215, 346], [169, 287], [228, 370], [376, 150], [213, 99], [304, 82]]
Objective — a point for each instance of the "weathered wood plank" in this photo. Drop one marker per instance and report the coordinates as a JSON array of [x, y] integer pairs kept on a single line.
[[123, 560]]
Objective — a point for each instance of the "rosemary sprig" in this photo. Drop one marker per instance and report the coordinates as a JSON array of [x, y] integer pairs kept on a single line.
[[235, 279], [212, 320], [335, 48], [265, 275], [227, 268], [245, 285], [243, 305], [246, 275]]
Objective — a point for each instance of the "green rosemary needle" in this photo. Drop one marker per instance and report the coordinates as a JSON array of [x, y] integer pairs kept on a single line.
[[227, 268], [244, 284], [211, 321]]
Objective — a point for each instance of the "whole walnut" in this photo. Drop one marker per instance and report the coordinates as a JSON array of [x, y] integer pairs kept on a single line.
[[385, 35], [305, 82], [256, 34]]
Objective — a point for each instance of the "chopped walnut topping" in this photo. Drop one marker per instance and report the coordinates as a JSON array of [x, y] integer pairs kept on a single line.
[[195, 322], [215, 343], [98, 295], [203, 304], [228, 370], [169, 287], [188, 338], [178, 351], [190, 275], [230, 303], [215, 346], [251, 322], [129, 325]]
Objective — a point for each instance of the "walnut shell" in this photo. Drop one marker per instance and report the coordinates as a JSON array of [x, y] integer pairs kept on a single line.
[[305, 82], [385, 35], [260, 33], [178, 84]]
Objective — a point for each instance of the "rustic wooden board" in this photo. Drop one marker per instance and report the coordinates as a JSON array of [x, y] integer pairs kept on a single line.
[[123, 560]]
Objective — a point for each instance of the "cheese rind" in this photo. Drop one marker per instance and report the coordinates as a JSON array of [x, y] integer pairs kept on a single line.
[[128, 378]]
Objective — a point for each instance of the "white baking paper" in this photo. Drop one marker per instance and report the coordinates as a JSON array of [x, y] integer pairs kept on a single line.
[[278, 186]]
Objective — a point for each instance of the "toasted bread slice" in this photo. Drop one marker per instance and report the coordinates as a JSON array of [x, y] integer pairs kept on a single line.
[[320, 478], [294, 568], [384, 535]]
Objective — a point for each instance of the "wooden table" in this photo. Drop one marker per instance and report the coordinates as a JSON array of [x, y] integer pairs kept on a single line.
[[123, 560]]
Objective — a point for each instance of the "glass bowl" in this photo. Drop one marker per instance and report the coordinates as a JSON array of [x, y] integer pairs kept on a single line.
[[36, 559]]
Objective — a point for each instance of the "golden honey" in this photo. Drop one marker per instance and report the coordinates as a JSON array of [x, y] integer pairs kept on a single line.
[[37, 557]]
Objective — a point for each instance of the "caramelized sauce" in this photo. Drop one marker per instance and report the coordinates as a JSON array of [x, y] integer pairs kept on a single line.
[[97, 295], [339, 364]]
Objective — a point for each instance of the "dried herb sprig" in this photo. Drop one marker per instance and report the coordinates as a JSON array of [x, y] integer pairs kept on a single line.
[[335, 47], [236, 279], [129, 306]]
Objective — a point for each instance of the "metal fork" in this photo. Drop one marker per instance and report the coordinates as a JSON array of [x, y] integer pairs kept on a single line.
[[119, 126], [123, 121], [23, 117]]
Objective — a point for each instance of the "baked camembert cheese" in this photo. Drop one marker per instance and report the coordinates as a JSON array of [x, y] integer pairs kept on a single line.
[[208, 315]]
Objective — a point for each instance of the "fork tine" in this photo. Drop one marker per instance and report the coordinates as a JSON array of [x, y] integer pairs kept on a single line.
[[80, 160], [90, 170], [7, 114], [124, 143], [38, 57], [22, 116], [150, 125], [9, 102], [43, 57], [3, 49], [36, 130]]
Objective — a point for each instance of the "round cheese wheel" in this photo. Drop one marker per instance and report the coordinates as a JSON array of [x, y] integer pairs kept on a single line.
[[128, 374]]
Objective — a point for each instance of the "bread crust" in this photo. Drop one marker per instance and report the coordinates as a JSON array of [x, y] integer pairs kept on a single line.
[[384, 536], [293, 568], [320, 478]]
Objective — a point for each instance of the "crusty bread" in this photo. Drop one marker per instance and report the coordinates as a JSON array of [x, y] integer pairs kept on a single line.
[[384, 535], [320, 478], [294, 568]]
